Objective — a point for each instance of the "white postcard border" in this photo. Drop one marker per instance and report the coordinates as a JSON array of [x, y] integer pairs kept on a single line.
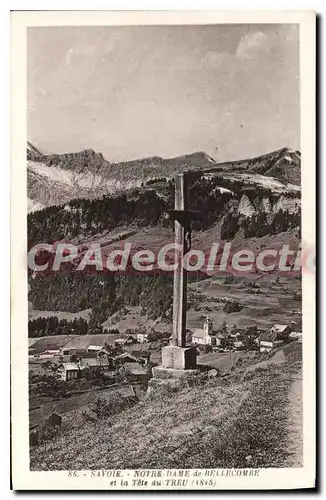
[[23, 478]]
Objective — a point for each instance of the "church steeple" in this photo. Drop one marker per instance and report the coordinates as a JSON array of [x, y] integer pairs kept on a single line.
[[208, 326]]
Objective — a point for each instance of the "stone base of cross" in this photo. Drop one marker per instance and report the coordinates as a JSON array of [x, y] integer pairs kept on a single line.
[[179, 358]]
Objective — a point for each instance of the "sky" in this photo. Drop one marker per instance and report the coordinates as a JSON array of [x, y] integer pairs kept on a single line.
[[132, 92]]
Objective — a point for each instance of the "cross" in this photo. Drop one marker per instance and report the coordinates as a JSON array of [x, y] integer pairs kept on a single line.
[[182, 237]]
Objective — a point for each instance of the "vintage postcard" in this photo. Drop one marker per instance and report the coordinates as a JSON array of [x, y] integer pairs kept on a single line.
[[163, 250]]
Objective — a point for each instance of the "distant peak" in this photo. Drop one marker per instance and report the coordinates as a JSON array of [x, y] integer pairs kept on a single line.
[[31, 148]]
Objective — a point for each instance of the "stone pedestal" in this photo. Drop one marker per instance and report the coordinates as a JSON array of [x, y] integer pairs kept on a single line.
[[170, 379], [179, 358], [167, 373], [178, 365]]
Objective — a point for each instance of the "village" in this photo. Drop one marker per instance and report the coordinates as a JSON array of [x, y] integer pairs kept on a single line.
[[135, 353], [85, 377]]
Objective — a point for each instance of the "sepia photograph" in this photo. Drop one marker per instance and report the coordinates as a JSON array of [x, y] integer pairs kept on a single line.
[[166, 262]]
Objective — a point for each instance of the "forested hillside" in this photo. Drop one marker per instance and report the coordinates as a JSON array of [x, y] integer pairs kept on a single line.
[[219, 198], [104, 294]]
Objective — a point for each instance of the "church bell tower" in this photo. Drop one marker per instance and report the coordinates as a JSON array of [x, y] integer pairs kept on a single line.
[[208, 326]]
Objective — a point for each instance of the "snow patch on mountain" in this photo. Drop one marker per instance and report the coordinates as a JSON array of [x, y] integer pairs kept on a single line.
[[284, 203], [34, 206], [68, 177], [263, 181], [54, 185], [245, 207], [223, 190]]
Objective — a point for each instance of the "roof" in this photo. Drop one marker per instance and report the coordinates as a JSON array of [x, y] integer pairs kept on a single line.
[[79, 353], [95, 362], [236, 334], [50, 351], [295, 334], [70, 366], [219, 335], [126, 355], [279, 328], [122, 340], [268, 337], [238, 343], [95, 347]]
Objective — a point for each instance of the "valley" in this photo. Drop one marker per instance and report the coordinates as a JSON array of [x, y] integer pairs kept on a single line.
[[82, 199]]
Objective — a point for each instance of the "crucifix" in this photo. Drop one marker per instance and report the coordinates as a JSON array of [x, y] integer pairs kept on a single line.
[[182, 217]]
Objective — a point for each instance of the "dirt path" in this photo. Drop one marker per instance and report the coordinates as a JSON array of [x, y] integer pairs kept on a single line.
[[295, 437]]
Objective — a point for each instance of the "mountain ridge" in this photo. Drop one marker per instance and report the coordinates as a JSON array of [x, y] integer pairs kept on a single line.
[[58, 178]]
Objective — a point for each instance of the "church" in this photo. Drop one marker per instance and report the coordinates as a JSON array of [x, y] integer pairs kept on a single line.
[[206, 335]]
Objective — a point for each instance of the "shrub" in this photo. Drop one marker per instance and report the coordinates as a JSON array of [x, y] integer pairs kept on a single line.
[[103, 408], [46, 432], [48, 385], [231, 307]]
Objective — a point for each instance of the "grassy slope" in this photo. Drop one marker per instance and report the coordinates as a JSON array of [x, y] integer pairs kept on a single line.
[[239, 421]]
